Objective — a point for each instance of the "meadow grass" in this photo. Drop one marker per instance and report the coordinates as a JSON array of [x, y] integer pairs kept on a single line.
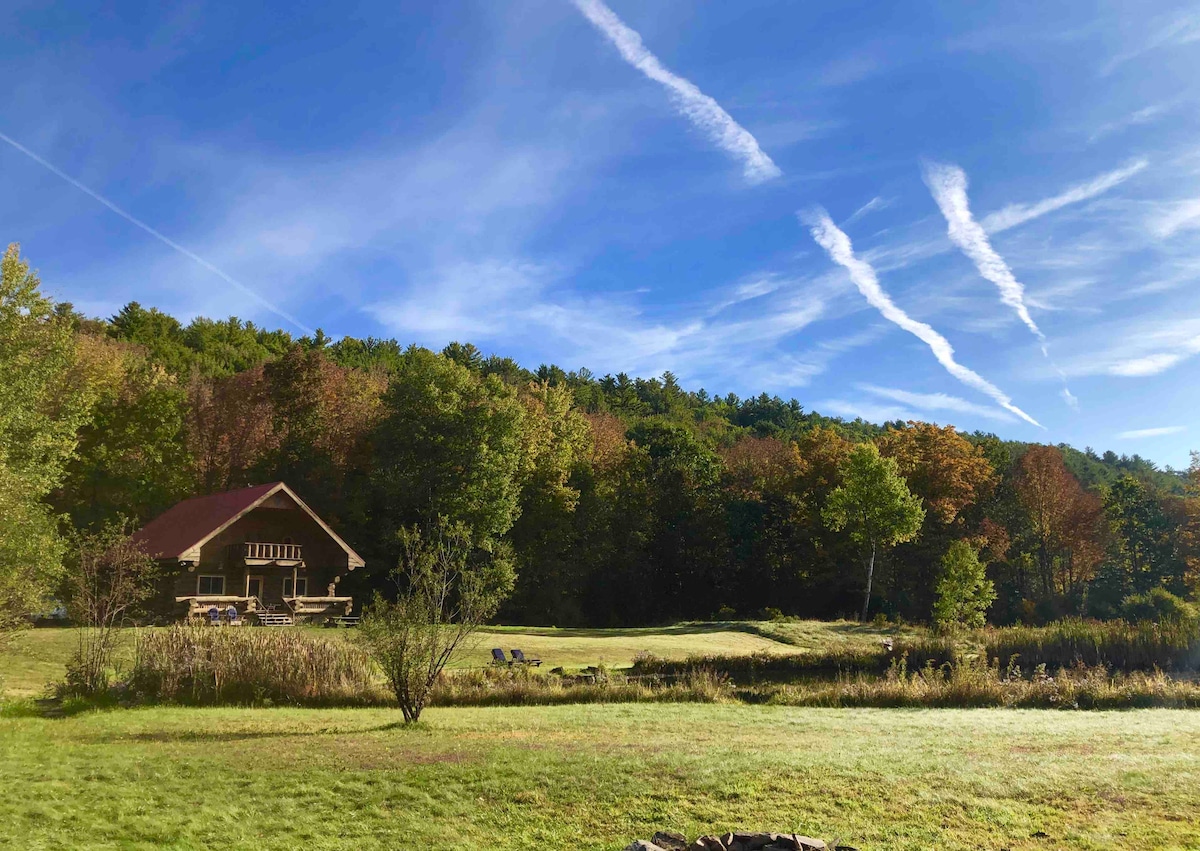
[[37, 657], [598, 776]]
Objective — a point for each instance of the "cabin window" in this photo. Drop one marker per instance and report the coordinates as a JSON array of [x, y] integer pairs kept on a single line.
[[210, 586], [301, 586]]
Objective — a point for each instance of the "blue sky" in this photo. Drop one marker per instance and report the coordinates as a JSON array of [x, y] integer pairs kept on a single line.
[[982, 214]]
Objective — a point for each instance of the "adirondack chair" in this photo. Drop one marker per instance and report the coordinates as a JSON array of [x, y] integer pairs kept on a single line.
[[498, 657], [520, 658], [214, 616], [231, 616]]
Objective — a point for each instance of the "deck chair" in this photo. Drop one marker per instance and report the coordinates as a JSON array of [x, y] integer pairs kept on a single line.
[[520, 659], [231, 616], [498, 657], [214, 616]]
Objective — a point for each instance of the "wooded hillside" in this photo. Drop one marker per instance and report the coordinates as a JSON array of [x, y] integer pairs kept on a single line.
[[618, 500]]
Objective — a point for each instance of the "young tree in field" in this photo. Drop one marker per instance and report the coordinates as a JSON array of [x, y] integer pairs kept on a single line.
[[447, 592], [964, 593], [43, 402], [874, 506], [108, 576]]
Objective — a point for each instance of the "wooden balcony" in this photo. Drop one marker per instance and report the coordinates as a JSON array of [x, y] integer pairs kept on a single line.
[[266, 553]]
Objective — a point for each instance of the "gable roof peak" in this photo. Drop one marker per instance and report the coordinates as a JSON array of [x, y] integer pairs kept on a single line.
[[181, 530]]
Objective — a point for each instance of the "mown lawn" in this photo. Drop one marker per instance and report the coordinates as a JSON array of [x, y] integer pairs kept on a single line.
[[595, 777], [38, 656]]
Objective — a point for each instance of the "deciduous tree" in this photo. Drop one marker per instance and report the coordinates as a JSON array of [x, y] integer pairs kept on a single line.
[[448, 589], [964, 593], [873, 504]]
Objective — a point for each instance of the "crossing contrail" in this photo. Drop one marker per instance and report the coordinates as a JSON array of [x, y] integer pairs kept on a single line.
[[170, 243], [837, 244]]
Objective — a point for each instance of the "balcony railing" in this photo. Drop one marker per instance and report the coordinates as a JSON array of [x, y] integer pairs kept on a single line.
[[272, 552]]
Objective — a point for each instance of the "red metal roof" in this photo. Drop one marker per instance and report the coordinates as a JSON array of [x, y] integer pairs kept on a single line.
[[182, 526]]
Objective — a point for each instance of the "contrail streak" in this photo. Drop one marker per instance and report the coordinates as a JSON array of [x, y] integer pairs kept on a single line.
[[1016, 214], [702, 110], [191, 255], [835, 242], [948, 184]]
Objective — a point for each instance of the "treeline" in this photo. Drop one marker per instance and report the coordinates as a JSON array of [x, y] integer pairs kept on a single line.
[[616, 500]]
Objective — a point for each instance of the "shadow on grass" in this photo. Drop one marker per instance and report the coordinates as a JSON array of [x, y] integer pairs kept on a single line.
[[227, 736]]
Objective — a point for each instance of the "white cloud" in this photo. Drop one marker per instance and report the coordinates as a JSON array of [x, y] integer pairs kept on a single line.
[[935, 402], [721, 341], [1177, 216], [703, 111], [1017, 214], [1160, 431], [876, 203], [1139, 349], [1176, 32], [1148, 365], [1141, 116], [948, 183], [869, 411], [840, 250]]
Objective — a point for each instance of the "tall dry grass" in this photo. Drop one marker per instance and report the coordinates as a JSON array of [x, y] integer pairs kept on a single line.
[[1115, 645], [974, 684], [527, 687], [203, 665], [756, 668]]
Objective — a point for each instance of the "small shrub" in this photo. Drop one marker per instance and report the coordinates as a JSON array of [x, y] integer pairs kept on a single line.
[[725, 613], [108, 576], [1158, 606]]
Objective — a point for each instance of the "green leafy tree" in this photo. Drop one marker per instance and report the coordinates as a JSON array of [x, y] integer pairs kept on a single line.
[[132, 458], [874, 506], [964, 593], [43, 401], [556, 440], [686, 547], [1144, 537], [449, 444]]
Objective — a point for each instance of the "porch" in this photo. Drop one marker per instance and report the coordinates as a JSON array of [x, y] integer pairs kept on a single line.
[[250, 609]]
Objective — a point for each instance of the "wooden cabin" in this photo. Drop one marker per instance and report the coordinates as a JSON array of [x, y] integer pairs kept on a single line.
[[259, 549]]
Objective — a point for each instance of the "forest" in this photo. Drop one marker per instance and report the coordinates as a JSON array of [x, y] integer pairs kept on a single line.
[[615, 500]]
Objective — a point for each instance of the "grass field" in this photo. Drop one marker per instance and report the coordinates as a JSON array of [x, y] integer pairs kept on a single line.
[[596, 777], [37, 657]]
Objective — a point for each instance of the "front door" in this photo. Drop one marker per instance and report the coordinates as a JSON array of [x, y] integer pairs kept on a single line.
[[254, 586]]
